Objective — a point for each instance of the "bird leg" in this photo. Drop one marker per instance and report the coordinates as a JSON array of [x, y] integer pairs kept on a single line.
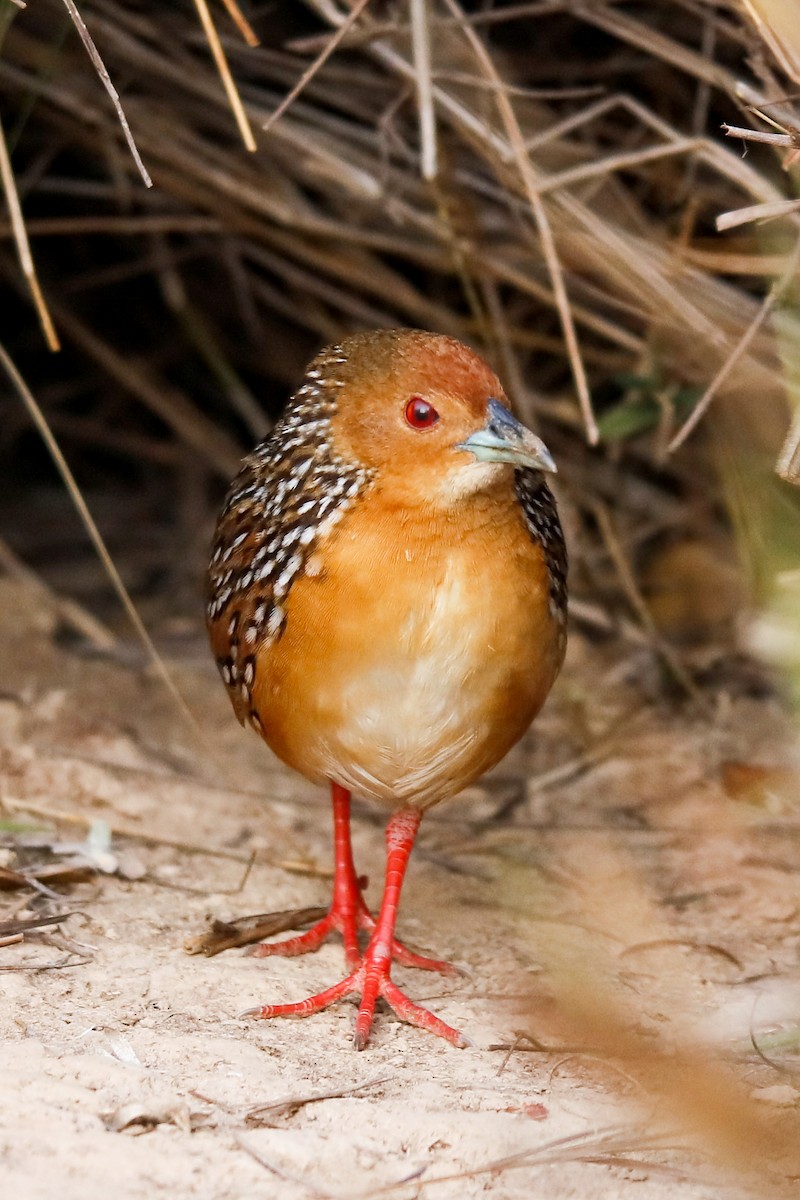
[[347, 905], [348, 912], [371, 978], [375, 968]]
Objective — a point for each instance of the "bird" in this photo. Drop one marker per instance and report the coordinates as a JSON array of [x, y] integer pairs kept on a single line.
[[386, 605]]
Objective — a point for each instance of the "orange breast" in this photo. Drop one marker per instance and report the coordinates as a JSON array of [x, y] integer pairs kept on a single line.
[[416, 651]]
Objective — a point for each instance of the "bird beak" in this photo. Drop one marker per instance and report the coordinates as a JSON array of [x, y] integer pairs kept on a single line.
[[504, 439]]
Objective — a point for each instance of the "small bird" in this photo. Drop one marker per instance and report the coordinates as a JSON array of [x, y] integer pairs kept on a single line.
[[387, 600]]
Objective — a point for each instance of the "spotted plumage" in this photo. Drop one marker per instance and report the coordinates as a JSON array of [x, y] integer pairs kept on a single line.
[[290, 493], [544, 526]]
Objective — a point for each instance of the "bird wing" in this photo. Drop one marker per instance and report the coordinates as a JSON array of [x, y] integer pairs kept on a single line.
[[289, 494], [544, 526]]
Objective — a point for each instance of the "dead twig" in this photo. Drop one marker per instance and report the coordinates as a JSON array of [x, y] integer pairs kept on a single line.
[[773, 297], [311, 1188], [23, 246], [334, 40], [105, 79], [241, 23], [231, 91], [637, 601], [261, 1113], [153, 839], [40, 421], [768, 211], [60, 964], [530, 182], [28, 924], [787, 140], [421, 50], [39, 877], [245, 931]]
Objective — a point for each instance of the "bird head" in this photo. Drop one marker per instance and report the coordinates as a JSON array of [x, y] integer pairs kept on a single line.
[[428, 416]]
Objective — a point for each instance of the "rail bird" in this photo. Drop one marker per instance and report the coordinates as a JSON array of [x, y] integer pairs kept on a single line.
[[387, 608]]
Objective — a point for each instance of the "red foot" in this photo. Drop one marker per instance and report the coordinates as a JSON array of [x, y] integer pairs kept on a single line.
[[369, 976], [369, 980], [348, 923], [306, 943]]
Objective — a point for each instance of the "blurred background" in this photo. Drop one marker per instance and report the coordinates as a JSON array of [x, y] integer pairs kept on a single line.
[[601, 196], [546, 181]]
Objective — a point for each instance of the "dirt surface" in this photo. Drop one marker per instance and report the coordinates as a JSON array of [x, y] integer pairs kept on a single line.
[[616, 840]]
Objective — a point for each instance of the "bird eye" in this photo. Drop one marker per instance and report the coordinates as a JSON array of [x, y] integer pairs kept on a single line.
[[420, 414]]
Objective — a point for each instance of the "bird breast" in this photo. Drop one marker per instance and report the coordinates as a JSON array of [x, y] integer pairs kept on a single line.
[[414, 658]]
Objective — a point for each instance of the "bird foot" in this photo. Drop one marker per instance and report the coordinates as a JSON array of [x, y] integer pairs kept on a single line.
[[348, 922], [370, 980], [410, 958], [312, 939]]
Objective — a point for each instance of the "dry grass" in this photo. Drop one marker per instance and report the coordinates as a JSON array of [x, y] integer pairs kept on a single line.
[[542, 180]]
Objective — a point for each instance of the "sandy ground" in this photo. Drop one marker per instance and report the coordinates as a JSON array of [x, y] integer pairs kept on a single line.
[[125, 1067]]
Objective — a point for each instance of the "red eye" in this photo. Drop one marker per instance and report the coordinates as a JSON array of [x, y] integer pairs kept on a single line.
[[420, 414]]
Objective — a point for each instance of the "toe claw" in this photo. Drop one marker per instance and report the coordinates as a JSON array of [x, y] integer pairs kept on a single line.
[[360, 1040]]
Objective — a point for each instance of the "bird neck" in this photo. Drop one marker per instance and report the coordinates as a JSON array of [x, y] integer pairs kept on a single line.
[[457, 504]]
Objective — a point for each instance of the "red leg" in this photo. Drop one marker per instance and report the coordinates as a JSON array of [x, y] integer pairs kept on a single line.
[[409, 958], [371, 978], [347, 906], [376, 965], [348, 912]]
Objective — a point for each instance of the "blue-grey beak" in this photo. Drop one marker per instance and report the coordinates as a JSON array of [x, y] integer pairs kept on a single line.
[[504, 439]]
